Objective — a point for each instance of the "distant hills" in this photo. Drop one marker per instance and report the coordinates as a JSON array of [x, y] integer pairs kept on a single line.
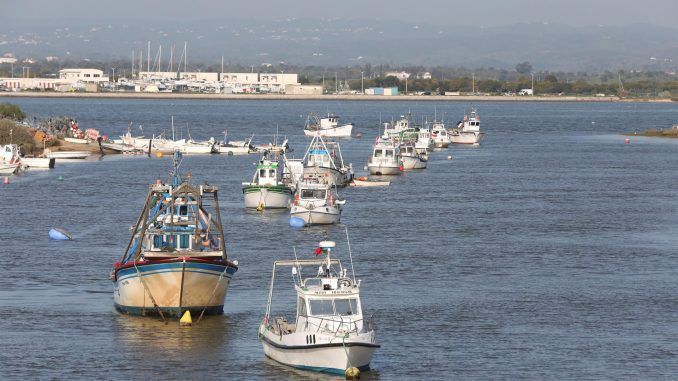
[[341, 42]]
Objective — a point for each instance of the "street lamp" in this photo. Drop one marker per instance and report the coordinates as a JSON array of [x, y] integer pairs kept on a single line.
[[532, 85], [282, 79], [362, 82]]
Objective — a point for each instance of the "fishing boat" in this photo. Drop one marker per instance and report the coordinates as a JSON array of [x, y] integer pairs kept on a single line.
[[316, 203], [385, 159], [176, 259], [441, 138], [192, 147], [331, 332], [267, 189], [229, 147], [327, 126], [410, 158], [468, 130], [38, 162], [367, 182], [324, 159]]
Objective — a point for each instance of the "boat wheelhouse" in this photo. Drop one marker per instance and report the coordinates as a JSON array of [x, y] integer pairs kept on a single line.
[[323, 159], [385, 159], [267, 189], [331, 332], [176, 259], [441, 138]]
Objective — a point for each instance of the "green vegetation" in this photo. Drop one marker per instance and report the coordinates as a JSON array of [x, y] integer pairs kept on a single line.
[[10, 111], [10, 132]]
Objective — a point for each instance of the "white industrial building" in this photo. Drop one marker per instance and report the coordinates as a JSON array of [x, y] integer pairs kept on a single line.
[[83, 75]]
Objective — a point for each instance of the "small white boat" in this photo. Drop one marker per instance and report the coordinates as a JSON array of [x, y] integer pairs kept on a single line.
[[273, 147], [411, 159], [70, 155], [324, 159], [331, 332], [366, 182], [327, 126], [232, 147], [316, 203], [10, 159], [192, 147], [267, 190], [385, 159], [77, 141], [38, 162], [468, 130], [441, 138]]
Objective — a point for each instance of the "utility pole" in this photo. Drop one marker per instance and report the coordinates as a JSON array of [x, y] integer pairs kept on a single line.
[[222, 63], [323, 82], [282, 79], [532, 85], [148, 57], [113, 75], [336, 83], [473, 83], [405, 85], [362, 82]]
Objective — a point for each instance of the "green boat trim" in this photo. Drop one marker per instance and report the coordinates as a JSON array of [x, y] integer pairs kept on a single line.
[[270, 188]]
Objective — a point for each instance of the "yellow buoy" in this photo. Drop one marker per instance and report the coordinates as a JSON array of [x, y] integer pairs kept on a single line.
[[186, 320], [158, 155], [260, 207], [352, 373]]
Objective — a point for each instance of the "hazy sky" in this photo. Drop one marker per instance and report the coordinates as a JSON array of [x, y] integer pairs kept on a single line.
[[480, 12]]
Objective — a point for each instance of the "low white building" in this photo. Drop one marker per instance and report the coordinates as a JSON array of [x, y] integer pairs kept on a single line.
[[273, 82], [83, 75], [17, 84], [297, 89]]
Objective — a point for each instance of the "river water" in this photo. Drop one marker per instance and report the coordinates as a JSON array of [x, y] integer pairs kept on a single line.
[[549, 252]]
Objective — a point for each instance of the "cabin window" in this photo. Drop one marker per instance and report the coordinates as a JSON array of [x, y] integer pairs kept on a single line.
[[346, 306], [157, 241], [313, 193], [388, 153], [271, 173], [378, 153], [183, 241], [322, 307], [301, 311], [262, 173], [183, 210]]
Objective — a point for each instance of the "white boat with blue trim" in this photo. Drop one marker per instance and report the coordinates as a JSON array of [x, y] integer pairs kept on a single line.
[[330, 333], [468, 130], [176, 259], [324, 159], [327, 126], [316, 202]]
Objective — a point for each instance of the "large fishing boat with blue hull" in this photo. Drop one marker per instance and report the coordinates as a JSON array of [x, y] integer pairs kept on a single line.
[[176, 259]]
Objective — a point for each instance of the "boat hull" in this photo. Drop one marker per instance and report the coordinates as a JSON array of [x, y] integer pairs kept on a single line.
[[467, 137], [335, 132], [176, 286], [278, 197], [70, 155], [384, 169], [38, 162], [8, 169], [330, 358], [321, 215], [232, 150], [413, 162], [441, 143]]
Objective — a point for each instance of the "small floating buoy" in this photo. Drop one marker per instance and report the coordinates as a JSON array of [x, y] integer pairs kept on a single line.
[[260, 207], [186, 320], [358, 134], [365, 168], [627, 141], [60, 178], [59, 234], [449, 157], [158, 155], [297, 222], [402, 168], [5, 180], [352, 373]]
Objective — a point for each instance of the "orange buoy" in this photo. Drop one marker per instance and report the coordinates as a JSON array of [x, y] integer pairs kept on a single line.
[[5, 180], [627, 141]]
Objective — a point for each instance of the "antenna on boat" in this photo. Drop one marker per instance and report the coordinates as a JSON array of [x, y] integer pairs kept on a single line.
[[350, 255], [172, 127], [176, 178]]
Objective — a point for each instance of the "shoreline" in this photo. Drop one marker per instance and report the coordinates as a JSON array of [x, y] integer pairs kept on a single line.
[[330, 97]]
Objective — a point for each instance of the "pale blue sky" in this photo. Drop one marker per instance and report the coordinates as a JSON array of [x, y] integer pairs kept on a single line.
[[480, 12]]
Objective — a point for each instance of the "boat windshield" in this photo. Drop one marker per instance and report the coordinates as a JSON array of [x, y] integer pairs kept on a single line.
[[378, 153], [388, 153], [334, 307], [313, 193]]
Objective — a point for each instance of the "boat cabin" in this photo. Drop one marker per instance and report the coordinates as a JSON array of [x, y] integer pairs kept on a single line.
[[385, 153], [267, 173], [329, 122]]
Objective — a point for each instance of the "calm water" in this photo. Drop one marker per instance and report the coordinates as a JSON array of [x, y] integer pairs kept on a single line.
[[547, 253]]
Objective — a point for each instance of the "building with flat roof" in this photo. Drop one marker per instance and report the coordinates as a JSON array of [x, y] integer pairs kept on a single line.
[[83, 75]]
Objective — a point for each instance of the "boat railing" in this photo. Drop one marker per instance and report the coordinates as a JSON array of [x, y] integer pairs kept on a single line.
[[341, 324]]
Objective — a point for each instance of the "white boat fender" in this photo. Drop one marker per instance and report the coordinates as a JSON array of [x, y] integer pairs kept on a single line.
[[449, 157], [59, 234]]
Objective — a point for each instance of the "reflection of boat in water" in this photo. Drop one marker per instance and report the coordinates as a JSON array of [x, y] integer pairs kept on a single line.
[[176, 258], [330, 332]]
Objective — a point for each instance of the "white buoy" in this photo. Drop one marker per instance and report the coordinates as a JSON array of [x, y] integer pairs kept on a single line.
[[449, 157], [365, 168]]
